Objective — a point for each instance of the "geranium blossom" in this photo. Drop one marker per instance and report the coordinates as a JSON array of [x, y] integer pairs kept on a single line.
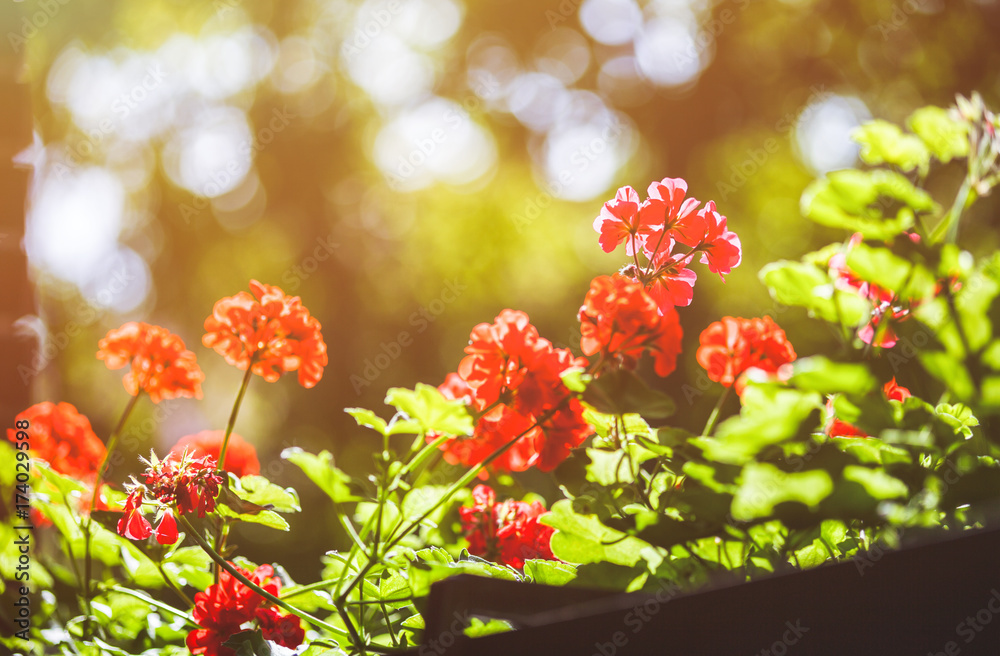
[[241, 456], [670, 282], [657, 227], [226, 606], [620, 221], [62, 437], [269, 332], [513, 377], [720, 247], [160, 364], [895, 392], [509, 532], [186, 484], [669, 212], [886, 308], [621, 321], [732, 346]]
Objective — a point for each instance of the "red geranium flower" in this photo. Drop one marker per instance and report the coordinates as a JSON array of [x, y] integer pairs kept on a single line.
[[886, 308], [286, 630], [894, 392], [161, 366], [224, 607], [620, 221], [733, 345], [241, 456], [508, 533], [514, 376], [839, 428], [720, 248], [133, 525], [620, 321], [186, 483], [671, 282], [62, 437], [269, 332], [668, 210]]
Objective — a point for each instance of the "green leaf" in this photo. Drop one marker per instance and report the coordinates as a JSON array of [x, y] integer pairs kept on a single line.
[[584, 539], [806, 285], [876, 482], [621, 392], [576, 379], [770, 415], [847, 199], [321, 471], [950, 371], [549, 572], [819, 374], [604, 424], [368, 419], [883, 142], [608, 468], [189, 566], [422, 574], [959, 417], [267, 518], [944, 136], [478, 628], [252, 643], [889, 271], [763, 486], [260, 491], [428, 407]]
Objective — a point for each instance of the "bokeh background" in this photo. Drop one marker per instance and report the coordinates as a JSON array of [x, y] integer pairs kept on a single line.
[[415, 166]]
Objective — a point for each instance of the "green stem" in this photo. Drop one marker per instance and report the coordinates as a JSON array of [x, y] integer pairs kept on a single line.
[[394, 537], [112, 444], [712, 418], [86, 525], [948, 227], [158, 604], [173, 586], [239, 576], [232, 416], [469, 475]]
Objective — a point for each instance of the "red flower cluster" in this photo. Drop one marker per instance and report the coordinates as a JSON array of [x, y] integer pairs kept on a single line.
[[225, 607], [656, 226], [508, 533], [838, 428], [886, 308], [620, 321], [241, 456], [512, 376], [188, 484], [733, 346], [160, 364], [269, 332], [62, 437]]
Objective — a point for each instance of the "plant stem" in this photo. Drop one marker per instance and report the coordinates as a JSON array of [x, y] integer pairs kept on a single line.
[[86, 525], [712, 418], [232, 416], [173, 586], [235, 573], [948, 227], [158, 604], [112, 444]]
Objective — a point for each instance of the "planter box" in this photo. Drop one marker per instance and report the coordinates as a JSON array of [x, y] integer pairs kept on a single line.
[[935, 599]]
